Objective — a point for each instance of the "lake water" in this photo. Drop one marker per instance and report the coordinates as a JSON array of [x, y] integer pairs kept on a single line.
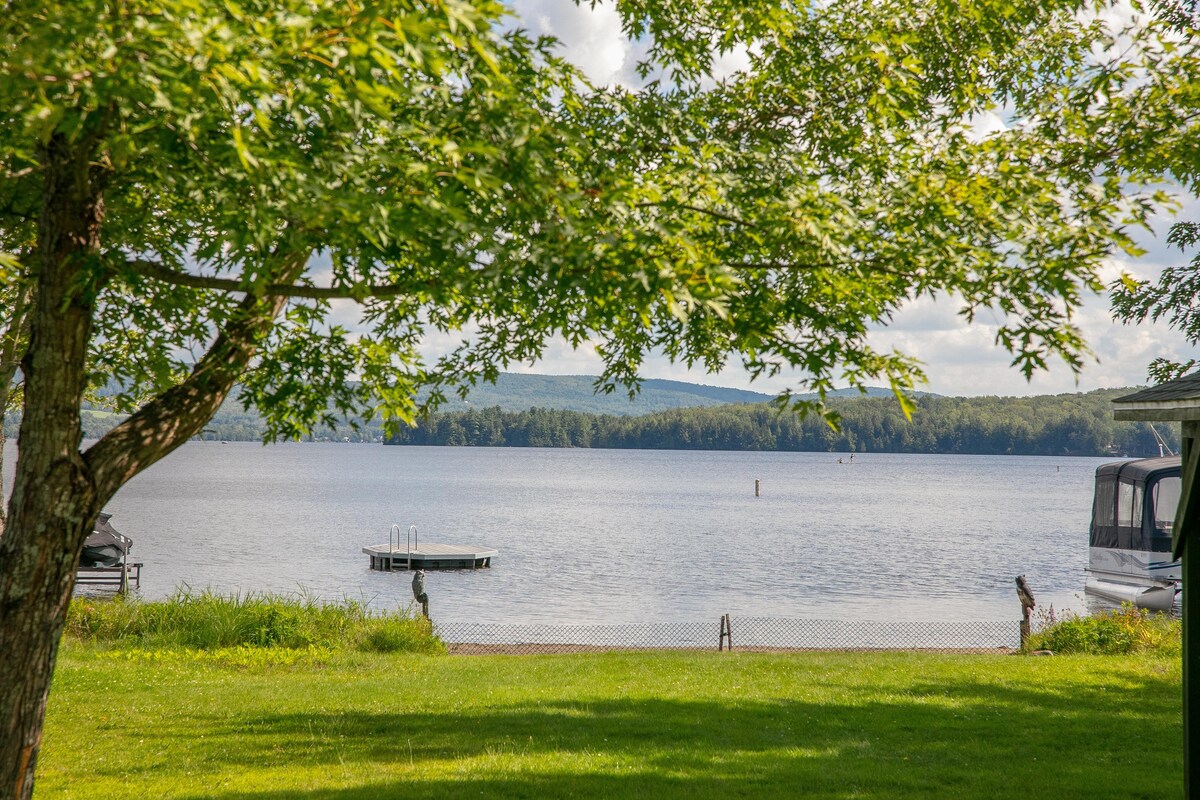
[[620, 536]]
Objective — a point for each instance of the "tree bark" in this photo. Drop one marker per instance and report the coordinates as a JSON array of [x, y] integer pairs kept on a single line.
[[52, 507]]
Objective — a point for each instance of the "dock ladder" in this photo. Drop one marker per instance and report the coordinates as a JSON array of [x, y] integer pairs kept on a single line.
[[392, 548]]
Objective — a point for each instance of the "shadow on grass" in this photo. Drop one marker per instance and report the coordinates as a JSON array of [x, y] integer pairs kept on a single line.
[[965, 739]]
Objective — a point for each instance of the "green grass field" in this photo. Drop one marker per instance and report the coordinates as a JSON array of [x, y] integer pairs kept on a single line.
[[268, 724]]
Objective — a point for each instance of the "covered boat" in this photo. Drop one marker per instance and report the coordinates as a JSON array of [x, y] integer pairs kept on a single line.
[[105, 547], [1133, 511]]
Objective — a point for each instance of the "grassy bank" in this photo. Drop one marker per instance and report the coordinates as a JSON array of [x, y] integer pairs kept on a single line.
[[211, 622], [352, 725]]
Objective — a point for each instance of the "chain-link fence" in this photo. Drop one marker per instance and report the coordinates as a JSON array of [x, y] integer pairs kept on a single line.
[[755, 634]]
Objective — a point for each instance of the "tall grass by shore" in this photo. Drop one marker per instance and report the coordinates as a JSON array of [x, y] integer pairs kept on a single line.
[[209, 621], [1125, 631]]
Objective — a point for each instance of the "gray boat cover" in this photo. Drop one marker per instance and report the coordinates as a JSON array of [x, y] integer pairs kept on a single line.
[[106, 546]]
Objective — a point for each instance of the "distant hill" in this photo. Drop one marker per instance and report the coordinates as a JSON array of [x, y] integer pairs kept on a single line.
[[520, 392]]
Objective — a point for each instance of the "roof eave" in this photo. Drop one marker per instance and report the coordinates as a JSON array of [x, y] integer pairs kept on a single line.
[[1158, 411]]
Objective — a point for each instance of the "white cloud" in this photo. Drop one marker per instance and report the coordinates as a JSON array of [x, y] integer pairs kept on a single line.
[[562, 359], [984, 124], [964, 359], [726, 65], [961, 358], [591, 37]]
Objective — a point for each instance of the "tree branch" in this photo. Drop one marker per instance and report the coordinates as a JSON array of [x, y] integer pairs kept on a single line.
[[177, 414], [868, 265], [158, 272], [21, 173], [12, 339], [688, 207], [15, 332]]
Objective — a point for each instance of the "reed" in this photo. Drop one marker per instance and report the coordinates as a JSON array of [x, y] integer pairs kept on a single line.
[[209, 621], [1124, 631]]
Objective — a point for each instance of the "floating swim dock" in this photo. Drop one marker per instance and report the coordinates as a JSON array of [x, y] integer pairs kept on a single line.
[[431, 555]]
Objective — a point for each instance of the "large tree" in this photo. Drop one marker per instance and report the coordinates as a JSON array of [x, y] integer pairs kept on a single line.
[[189, 187]]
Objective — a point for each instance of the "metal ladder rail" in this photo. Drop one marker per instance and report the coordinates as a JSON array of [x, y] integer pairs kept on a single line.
[[395, 529], [411, 545]]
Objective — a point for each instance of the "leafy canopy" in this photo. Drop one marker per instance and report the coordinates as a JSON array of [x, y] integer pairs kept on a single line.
[[1137, 117], [452, 176]]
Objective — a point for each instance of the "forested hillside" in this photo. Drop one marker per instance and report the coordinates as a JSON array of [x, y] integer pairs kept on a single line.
[[520, 392], [1069, 424]]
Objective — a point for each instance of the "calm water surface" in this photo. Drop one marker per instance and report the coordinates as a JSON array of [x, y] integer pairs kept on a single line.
[[616, 536]]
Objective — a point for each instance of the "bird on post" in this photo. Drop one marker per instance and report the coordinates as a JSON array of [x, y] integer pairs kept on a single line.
[[418, 589], [1025, 594]]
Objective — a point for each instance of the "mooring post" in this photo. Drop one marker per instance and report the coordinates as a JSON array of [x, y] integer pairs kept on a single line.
[[756, 487]]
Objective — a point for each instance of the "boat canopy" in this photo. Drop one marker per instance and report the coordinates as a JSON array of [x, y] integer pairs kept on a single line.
[[1135, 504], [106, 546]]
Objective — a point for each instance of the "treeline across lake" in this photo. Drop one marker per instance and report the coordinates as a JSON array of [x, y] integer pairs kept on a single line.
[[1057, 425], [1053, 425]]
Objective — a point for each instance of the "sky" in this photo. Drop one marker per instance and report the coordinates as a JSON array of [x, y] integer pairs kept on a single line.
[[960, 359]]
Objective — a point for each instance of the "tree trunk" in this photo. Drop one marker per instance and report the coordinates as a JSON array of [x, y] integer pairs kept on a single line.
[[53, 503], [59, 491]]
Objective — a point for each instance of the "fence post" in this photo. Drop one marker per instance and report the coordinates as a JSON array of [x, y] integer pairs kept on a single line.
[[726, 633]]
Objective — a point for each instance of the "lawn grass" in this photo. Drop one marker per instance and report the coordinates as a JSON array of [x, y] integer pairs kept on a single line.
[[351, 726]]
